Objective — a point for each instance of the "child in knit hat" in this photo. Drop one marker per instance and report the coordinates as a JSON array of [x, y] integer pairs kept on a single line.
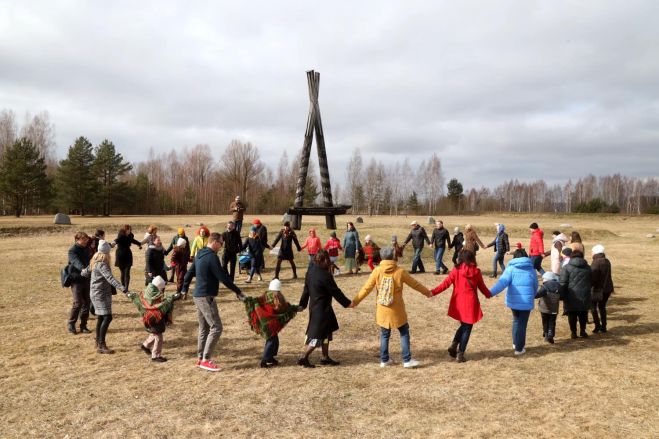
[[549, 295], [156, 311], [267, 316], [372, 252], [398, 249]]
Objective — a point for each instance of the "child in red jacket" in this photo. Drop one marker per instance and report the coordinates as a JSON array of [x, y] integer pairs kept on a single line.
[[372, 252]]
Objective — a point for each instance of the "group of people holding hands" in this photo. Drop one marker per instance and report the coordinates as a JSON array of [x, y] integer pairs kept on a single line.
[[579, 285]]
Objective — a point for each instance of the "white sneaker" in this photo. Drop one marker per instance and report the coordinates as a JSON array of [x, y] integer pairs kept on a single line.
[[513, 346], [386, 363], [411, 363], [522, 352]]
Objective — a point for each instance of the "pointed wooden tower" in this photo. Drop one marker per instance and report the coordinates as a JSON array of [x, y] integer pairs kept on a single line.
[[314, 124]]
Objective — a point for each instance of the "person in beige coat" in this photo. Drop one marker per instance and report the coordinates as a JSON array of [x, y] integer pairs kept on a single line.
[[388, 279]]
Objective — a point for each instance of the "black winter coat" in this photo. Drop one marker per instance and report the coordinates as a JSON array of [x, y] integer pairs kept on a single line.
[[262, 231], [440, 238], [232, 243], [124, 256], [575, 285], [504, 244], [418, 235], [602, 283], [319, 289], [549, 295], [458, 242], [287, 241], [155, 260], [79, 260]]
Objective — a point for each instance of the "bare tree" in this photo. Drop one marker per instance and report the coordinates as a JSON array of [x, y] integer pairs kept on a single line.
[[41, 132], [355, 179], [8, 130], [240, 166]]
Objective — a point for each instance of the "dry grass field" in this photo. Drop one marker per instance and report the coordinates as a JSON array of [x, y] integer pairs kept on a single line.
[[55, 385]]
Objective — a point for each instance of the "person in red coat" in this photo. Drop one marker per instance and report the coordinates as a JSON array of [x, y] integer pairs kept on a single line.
[[537, 247], [464, 307]]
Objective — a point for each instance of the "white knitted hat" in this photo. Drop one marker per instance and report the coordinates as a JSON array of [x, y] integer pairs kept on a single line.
[[181, 242], [275, 285], [159, 282]]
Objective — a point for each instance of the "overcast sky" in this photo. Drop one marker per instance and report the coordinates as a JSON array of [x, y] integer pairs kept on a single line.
[[499, 90]]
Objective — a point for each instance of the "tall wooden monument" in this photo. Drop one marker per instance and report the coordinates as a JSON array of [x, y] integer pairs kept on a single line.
[[314, 124]]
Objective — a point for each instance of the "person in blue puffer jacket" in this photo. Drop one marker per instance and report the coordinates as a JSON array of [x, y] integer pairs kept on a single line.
[[522, 283]]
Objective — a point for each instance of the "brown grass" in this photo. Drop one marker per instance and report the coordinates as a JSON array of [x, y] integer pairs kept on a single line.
[[55, 385]]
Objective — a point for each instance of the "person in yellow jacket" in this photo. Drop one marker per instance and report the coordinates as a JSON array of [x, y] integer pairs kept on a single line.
[[200, 241], [388, 279]]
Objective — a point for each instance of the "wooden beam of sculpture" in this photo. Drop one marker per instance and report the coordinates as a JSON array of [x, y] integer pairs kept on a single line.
[[308, 139], [325, 185]]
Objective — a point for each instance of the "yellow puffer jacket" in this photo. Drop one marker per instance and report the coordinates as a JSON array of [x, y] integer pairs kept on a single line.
[[394, 315], [198, 243]]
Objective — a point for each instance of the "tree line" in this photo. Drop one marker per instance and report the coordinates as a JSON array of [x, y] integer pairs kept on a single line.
[[97, 180]]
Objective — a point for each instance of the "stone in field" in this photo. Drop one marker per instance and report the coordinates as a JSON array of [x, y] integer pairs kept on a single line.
[[359, 220], [649, 235], [566, 225], [62, 219]]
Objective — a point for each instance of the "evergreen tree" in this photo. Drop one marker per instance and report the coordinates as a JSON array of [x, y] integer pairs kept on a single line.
[[413, 203], [23, 180], [76, 182], [455, 192], [108, 167]]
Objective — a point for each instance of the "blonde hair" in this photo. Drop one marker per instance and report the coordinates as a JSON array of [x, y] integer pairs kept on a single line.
[[468, 227], [152, 229], [100, 257]]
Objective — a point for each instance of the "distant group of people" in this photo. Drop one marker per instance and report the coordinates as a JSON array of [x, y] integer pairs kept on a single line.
[[581, 286]]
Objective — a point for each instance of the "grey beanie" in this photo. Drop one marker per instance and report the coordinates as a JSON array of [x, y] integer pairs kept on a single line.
[[103, 247], [387, 253]]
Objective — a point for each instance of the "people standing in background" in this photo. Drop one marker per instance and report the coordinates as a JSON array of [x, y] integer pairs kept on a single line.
[[440, 239], [602, 287], [237, 210], [501, 247], [179, 235], [456, 244], [124, 255], [232, 246], [537, 247], [351, 245], [418, 236], [79, 261]]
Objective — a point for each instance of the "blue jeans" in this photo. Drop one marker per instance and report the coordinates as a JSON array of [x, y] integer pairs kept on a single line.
[[417, 262], [462, 335], [520, 320], [498, 258], [385, 333], [271, 348], [439, 255], [257, 262], [537, 264]]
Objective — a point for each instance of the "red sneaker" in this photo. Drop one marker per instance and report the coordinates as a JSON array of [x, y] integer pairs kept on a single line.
[[198, 363], [209, 365]]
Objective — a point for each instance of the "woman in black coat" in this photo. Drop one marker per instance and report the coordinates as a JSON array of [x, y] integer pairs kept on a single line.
[[319, 290], [602, 285], [288, 238], [123, 258], [575, 290]]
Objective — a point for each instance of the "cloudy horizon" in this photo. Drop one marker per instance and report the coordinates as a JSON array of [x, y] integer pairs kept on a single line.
[[499, 90]]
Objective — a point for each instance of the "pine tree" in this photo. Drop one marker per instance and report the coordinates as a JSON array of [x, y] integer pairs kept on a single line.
[[23, 180], [108, 167], [455, 191], [76, 182]]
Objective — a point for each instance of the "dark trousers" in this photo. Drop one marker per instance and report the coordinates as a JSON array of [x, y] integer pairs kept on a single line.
[[229, 263], [601, 307], [180, 270], [81, 303], [417, 262], [456, 257], [271, 349], [537, 264], [462, 335], [102, 325], [498, 259], [278, 267], [125, 276], [257, 262], [573, 316], [548, 325]]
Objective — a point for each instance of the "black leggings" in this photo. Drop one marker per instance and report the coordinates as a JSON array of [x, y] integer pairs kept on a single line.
[[102, 324], [278, 267], [601, 307], [572, 317], [548, 325], [125, 276]]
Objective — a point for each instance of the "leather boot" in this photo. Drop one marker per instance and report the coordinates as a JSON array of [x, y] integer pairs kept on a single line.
[[453, 349], [71, 327], [84, 329], [104, 349]]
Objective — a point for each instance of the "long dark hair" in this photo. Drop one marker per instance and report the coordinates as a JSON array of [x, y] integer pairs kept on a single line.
[[575, 237], [322, 260], [468, 257]]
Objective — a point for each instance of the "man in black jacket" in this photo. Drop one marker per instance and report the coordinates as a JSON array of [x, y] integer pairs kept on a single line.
[[232, 246], [79, 261], [440, 239], [207, 269], [417, 235]]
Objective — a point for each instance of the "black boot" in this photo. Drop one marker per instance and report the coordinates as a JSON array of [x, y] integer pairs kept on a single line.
[[71, 328], [84, 329], [453, 349], [460, 357]]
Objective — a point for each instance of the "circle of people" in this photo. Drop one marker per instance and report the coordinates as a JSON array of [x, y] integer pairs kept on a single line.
[[582, 287]]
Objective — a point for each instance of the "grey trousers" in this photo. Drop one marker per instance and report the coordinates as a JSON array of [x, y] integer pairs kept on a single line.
[[210, 325]]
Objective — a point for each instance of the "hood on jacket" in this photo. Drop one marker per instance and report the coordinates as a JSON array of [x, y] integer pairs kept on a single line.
[[500, 229], [388, 266], [204, 252], [521, 263], [538, 232], [560, 237], [468, 270], [152, 294], [578, 262]]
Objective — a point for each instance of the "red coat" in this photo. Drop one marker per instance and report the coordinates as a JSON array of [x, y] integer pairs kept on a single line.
[[537, 246], [464, 305]]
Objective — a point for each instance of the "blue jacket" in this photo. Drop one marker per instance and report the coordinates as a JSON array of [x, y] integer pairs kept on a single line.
[[522, 283], [207, 269]]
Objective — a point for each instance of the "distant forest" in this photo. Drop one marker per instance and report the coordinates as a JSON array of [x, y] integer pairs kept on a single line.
[[97, 180]]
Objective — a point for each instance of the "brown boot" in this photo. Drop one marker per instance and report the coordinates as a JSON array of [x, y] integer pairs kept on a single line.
[[460, 358], [453, 349], [104, 349]]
